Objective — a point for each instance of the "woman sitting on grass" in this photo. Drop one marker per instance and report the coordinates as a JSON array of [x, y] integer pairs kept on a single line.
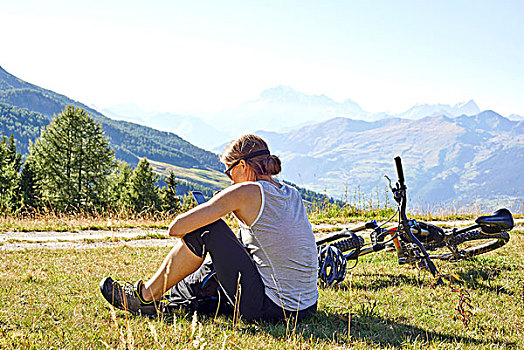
[[268, 272]]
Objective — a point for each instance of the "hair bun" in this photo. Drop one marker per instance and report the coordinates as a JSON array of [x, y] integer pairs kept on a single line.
[[273, 165]]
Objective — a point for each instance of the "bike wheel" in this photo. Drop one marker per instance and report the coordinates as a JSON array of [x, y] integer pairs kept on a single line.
[[472, 243]]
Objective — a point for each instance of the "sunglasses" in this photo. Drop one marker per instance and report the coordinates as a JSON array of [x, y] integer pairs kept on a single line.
[[246, 157]]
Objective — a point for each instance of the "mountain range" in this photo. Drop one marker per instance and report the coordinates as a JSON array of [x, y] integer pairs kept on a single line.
[[462, 159], [450, 153], [278, 109]]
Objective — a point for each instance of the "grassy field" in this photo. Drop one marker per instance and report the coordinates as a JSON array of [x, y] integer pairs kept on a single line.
[[60, 222], [50, 299]]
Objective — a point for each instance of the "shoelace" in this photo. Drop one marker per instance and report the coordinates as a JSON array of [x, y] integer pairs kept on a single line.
[[128, 287]]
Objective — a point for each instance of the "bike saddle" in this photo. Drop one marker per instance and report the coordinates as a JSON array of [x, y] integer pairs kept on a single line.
[[501, 220]]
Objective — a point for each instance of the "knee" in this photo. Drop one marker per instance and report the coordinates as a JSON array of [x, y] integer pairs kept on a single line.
[[206, 235], [194, 242]]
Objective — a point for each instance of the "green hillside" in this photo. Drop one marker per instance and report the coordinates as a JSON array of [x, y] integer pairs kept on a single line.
[[24, 125], [215, 180], [24, 104]]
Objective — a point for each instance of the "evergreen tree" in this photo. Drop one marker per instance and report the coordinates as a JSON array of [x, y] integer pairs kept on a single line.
[[9, 176], [118, 187], [143, 192], [170, 201], [72, 160], [13, 156], [28, 183]]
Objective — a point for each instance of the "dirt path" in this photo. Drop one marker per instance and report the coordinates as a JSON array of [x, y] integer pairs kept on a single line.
[[136, 237]]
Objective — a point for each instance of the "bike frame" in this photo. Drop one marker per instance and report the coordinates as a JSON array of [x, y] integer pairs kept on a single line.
[[407, 236], [400, 233]]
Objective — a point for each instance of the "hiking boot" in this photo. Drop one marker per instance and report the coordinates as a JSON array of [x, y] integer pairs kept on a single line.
[[128, 297]]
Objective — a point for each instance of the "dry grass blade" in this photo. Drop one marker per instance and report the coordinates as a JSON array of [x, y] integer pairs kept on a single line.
[[238, 295], [154, 333], [463, 306], [130, 337]]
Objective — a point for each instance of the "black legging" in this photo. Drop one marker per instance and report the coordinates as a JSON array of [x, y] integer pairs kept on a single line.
[[236, 272]]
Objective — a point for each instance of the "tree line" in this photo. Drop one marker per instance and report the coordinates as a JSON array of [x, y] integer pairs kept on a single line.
[[71, 167]]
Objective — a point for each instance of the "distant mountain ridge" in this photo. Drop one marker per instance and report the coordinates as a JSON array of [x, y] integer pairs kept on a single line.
[[278, 109], [283, 107], [465, 158], [433, 110], [193, 129]]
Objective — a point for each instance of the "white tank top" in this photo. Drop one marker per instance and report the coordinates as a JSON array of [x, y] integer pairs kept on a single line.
[[282, 244]]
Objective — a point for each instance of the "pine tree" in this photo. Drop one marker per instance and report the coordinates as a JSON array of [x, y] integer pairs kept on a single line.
[[143, 192], [72, 160], [119, 196], [13, 156], [28, 183], [170, 201], [10, 160]]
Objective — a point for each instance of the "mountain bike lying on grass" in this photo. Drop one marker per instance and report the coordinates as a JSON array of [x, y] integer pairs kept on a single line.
[[415, 242]]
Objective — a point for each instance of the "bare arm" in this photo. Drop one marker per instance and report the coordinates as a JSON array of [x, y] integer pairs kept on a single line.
[[242, 199]]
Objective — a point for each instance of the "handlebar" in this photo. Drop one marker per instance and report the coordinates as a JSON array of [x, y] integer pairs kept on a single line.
[[400, 171]]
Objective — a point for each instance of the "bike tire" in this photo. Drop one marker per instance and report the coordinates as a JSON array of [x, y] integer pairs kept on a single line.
[[482, 243], [348, 244]]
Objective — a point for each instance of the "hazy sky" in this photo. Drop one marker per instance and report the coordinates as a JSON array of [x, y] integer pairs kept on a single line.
[[202, 56]]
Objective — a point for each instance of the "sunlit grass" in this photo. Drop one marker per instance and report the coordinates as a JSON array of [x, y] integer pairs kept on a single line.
[[46, 220], [60, 222], [50, 299]]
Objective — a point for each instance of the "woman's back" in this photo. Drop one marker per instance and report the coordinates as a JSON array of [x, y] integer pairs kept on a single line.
[[282, 244]]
